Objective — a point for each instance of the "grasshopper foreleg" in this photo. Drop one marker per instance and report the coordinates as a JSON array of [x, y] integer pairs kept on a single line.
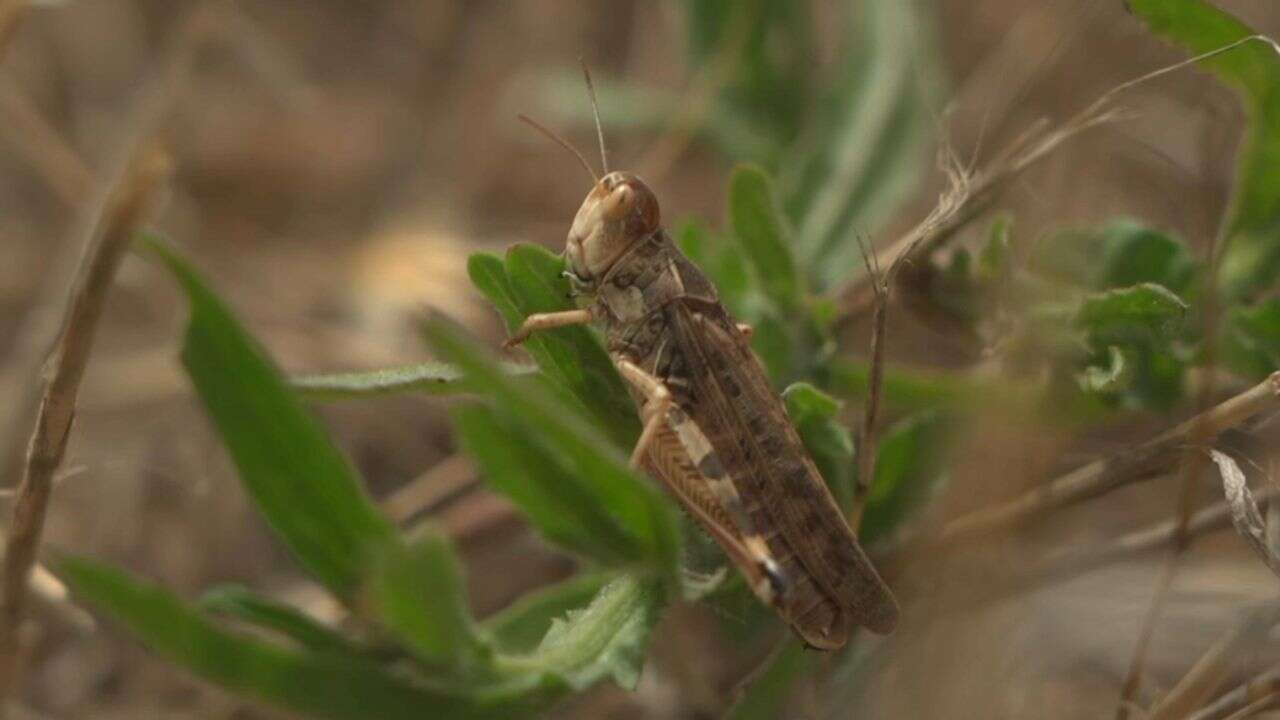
[[545, 321]]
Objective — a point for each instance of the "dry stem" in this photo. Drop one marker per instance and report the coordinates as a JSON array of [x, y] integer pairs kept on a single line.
[[1106, 474], [1072, 562], [447, 479], [970, 193], [1213, 668], [1262, 689], [121, 213], [868, 434], [11, 13]]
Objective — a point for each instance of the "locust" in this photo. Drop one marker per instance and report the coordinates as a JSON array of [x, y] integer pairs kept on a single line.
[[714, 432]]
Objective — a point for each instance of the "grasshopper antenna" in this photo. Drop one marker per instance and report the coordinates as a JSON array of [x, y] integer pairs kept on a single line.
[[559, 141], [595, 111]]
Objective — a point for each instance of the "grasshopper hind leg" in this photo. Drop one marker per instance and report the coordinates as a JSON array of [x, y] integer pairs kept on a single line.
[[746, 548]]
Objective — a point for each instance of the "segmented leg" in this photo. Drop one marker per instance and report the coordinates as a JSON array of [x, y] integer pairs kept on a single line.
[[657, 405], [660, 409], [544, 321]]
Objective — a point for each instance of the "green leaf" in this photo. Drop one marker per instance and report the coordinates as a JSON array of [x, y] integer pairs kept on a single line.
[[995, 258], [1125, 315], [1252, 339], [264, 612], [641, 515], [765, 240], [606, 639], [418, 594], [1133, 253], [429, 378], [1252, 257], [866, 152], [322, 685], [766, 49], [300, 482], [520, 627], [530, 282], [767, 696], [563, 505], [722, 264], [1108, 378], [908, 473], [816, 416]]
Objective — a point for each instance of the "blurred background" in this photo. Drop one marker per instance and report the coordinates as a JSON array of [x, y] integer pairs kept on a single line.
[[337, 162]]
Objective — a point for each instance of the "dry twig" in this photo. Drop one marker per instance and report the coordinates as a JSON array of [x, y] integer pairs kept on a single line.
[[447, 479], [1263, 689], [1100, 476], [1192, 466], [869, 432], [1074, 561], [1213, 668], [120, 215], [970, 193], [31, 136], [11, 13]]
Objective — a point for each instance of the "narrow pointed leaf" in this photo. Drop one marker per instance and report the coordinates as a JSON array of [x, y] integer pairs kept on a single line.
[[759, 226], [605, 639], [519, 627], [321, 685], [417, 591], [581, 360], [429, 378], [264, 612], [561, 504], [301, 483], [632, 505]]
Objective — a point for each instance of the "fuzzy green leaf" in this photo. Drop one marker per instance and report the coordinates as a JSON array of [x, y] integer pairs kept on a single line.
[[1106, 378], [520, 627], [761, 230], [429, 378], [322, 685], [300, 482], [605, 639], [1135, 313], [1252, 257]]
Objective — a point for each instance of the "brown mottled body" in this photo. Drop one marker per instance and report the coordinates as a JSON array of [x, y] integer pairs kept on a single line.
[[716, 433]]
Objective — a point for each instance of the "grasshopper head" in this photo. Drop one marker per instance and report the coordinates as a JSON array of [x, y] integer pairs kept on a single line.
[[619, 211]]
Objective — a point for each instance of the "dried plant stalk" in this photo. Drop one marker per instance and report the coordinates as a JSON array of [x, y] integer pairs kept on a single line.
[[1214, 667], [1261, 690], [1106, 474], [118, 220]]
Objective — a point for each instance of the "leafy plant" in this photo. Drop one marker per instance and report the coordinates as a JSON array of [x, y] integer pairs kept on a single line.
[[1088, 320]]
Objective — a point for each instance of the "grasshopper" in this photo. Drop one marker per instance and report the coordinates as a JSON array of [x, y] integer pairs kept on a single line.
[[714, 432]]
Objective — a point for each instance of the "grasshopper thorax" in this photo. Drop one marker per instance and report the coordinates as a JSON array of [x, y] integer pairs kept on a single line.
[[618, 212]]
